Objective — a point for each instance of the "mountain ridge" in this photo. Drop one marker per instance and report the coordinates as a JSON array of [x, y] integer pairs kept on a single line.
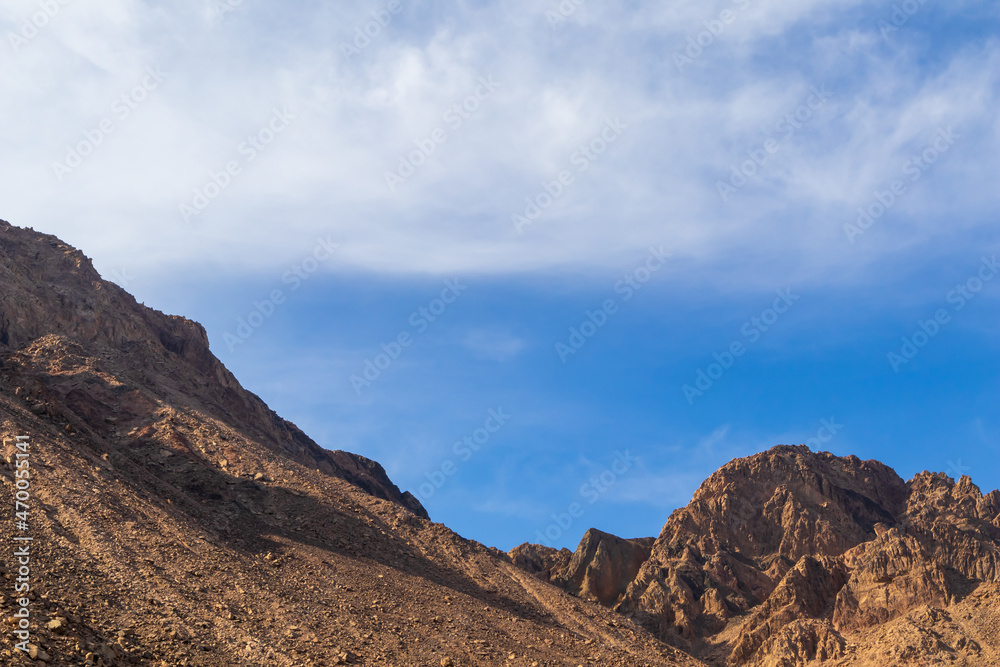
[[108, 317]]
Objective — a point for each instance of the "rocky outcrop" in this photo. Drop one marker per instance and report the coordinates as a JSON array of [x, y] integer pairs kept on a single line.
[[944, 545], [603, 566], [747, 526], [791, 615], [541, 561], [600, 569]]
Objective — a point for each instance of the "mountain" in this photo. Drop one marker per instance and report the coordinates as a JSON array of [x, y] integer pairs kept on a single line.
[[176, 520], [792, 557]]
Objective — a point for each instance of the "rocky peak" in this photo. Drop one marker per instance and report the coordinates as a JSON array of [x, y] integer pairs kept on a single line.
[[932, 496], [789, 502], [789, 553], [603, 566]]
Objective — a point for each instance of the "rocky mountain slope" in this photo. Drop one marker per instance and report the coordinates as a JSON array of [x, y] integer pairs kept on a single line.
[[176, 520], [793, 557]]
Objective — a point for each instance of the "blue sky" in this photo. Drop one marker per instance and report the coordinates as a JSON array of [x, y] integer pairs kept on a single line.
[[660, 180]]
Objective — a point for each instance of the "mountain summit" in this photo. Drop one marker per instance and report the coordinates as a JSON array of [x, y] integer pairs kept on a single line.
[[793, 557]]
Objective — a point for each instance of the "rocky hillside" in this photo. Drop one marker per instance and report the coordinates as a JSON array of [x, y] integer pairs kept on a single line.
[[793, 557], [54, 304], [176, 520]]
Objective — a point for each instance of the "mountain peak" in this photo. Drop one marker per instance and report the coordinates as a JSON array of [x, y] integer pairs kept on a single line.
[[790, 556]]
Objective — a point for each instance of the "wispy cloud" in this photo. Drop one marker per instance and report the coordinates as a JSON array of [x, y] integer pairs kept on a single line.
[[357, 114], [493, 344]]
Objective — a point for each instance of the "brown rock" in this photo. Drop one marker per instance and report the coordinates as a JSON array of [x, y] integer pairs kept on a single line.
[[542, 561], [55, 310], [600, 569], [57, 625], [806, 592], [35, 653]]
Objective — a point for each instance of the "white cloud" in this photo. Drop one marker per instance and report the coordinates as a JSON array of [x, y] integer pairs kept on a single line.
[[357, 116]]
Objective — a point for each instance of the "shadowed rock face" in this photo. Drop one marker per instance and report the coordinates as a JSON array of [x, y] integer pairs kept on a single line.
[[603, 566], [599, 570], [542, 561]]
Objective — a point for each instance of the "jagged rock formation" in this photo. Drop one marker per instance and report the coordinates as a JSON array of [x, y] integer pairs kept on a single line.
[[792, 557], [179, 521], [747, 527], [946, 542], [542, 561], [800, 551], [603, 566]]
